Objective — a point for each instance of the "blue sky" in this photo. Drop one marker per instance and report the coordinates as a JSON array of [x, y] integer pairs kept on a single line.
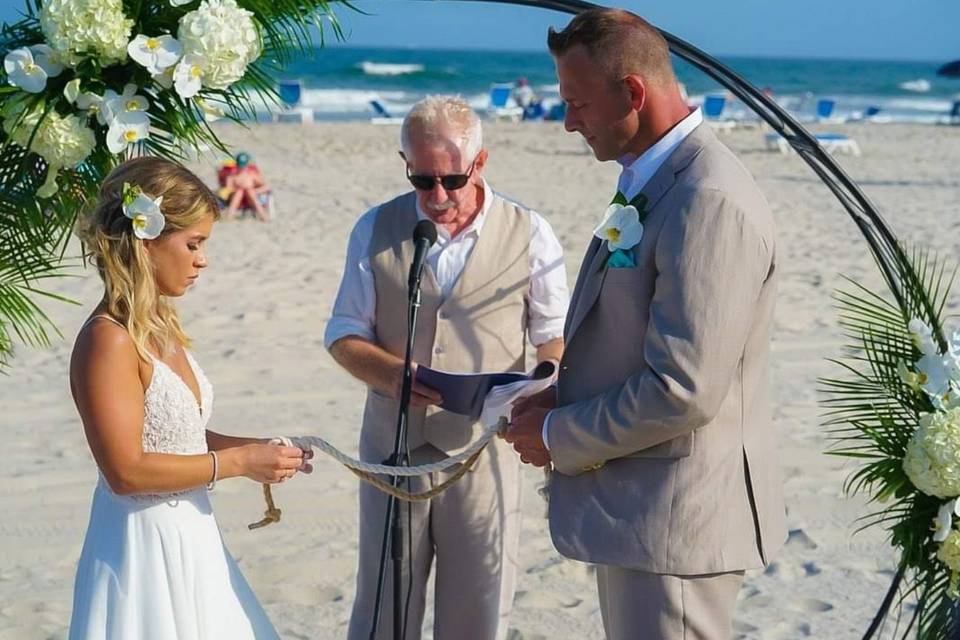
[[864, 29]]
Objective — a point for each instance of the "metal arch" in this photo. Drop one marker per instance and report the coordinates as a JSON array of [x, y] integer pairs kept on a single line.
[[883, 244]]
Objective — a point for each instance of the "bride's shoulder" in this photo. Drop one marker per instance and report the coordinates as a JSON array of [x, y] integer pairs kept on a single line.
[[103, 345]]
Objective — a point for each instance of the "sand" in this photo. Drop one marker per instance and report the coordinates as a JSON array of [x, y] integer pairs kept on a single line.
[[258, 314]]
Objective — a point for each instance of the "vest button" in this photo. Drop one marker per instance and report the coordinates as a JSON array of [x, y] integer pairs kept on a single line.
[[438, 350], [444, 315]]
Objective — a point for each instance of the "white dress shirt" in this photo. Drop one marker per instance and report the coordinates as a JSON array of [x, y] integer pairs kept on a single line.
[[637, 171], [354, 310]]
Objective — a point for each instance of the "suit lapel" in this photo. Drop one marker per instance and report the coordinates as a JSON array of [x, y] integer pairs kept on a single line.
[[593, 269]]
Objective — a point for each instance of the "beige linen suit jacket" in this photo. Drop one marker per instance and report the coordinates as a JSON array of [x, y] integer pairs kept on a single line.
[[662, 442]]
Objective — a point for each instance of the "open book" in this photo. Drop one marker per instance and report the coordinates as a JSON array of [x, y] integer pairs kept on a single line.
[[477, 394]]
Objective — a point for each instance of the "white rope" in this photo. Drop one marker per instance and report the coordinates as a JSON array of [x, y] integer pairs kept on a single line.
[[385, 469]]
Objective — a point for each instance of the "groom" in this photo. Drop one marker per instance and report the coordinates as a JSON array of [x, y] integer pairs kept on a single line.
[[659, 429]]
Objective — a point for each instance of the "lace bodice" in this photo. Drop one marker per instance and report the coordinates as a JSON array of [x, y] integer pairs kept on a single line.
[[172, 422]]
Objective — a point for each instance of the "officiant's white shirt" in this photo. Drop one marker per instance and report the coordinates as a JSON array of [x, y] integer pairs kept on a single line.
[[354, 309]]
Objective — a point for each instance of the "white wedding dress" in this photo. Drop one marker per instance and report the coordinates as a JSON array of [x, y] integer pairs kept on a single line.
[[155, 567]]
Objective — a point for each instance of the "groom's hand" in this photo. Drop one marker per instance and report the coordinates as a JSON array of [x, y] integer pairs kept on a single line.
[[546, 399], [526, 433]]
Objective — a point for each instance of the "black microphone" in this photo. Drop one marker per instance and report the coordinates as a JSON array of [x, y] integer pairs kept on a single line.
[[424, 235]]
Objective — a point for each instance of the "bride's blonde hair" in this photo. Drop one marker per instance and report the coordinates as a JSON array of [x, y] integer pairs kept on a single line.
[[131, 292]]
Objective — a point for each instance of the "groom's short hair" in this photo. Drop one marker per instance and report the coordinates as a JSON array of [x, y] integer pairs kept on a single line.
[[620, 42]]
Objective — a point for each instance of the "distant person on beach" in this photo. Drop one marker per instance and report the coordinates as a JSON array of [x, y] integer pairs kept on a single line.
[[153, 564], [659, 429], [493, 281], [246, 187], [522, 93]]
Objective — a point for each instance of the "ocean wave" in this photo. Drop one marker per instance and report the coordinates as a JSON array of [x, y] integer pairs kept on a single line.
[[917, 86], [389, 69]]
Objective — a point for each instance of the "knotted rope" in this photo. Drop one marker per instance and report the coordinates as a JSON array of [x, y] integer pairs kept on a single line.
[[367, 471]]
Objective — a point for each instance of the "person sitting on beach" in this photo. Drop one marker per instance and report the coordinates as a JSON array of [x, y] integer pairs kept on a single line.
[[245, 187], [153, 564], [494, 277]]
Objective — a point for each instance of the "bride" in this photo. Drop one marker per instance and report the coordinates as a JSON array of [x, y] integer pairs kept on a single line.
[[153, 564]]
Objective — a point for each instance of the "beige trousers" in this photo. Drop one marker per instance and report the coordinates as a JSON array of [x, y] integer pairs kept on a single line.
[[636, 605], [472, 530]]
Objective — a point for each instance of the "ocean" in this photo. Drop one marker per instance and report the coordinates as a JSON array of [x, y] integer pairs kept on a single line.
[[339, 82]]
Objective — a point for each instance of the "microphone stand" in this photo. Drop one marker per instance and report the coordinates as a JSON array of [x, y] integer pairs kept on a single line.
[[393, 533]]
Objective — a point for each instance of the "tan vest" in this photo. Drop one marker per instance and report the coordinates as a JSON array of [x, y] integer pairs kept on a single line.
[[481, 326]]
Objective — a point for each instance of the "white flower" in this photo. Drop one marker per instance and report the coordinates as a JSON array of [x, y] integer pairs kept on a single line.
[[922, 336], [932, 460], [165, 77], [621, 227], [949, 554], [935, 377], [156, 54], [211, 112], [223, 37], [30, 67], [62, 141], [127, 102], [94, 104], [144, 212], [943, 523], [179, 3], [907, 376], [78, 29], [72, 90], [126, 129], [188, 76]]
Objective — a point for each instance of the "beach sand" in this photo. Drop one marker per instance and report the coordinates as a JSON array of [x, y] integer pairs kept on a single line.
[[258, 314]]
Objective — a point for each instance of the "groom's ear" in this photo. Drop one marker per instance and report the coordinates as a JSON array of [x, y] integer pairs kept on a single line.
[[637, 90]]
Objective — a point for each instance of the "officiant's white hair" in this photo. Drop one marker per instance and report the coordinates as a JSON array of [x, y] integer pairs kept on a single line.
[[444, 119]]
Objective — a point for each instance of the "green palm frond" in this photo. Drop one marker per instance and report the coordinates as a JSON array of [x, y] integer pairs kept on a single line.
[[870, 415], [34, 232]]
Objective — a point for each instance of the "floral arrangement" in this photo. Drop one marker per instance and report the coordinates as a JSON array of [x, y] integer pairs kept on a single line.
[[897, 412], [85, 84]]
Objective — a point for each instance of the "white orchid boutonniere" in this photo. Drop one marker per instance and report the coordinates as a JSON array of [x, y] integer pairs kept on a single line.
[[144, 212]]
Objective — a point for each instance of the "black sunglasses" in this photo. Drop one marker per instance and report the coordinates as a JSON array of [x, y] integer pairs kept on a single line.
[[449, 183]]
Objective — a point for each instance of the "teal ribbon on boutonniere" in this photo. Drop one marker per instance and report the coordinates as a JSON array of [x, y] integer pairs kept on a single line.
[[622, 229]]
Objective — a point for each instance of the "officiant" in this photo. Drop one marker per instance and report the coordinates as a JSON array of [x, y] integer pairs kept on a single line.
[[494, 281]]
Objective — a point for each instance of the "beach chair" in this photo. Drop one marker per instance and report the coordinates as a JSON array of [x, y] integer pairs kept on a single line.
[[502, 106], [831, 142], [954, 117], [824, 111], [291, 94], [381, 115], [713, 106]]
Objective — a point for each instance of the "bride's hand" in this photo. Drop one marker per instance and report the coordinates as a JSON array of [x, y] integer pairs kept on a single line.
[[269, 462], [293, 441]]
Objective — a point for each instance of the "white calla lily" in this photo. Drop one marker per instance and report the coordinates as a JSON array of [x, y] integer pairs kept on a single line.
[[144, 212], [127, 128], [621, 227], [188, 76], [155, 53], [944, 520]]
